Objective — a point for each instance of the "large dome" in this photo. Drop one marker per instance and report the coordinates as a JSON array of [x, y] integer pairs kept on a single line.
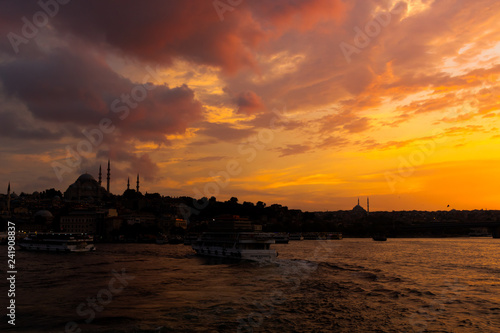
[[358, 209], [85, 188], [85, 177]]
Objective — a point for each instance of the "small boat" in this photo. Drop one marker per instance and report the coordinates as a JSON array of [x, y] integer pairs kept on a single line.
[[189, 239], [296, 237], [379, 237], [334, 235], [58, 242], [281, 238], [480, 232], [175, 240], [311, 236], [160, 240]]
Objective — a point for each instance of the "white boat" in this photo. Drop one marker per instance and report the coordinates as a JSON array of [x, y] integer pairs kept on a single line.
[[237, 245], [58, 242]]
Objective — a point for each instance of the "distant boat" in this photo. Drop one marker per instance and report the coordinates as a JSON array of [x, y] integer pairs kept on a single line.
[[379, 237], [311, 236], [58, 242], [296, 237], [480, 232], [175, 240], [160, 240], [281, 238], [334, 235], [190, 239]]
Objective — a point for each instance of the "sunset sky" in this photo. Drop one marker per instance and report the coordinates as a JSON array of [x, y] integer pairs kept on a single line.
[[306, 103]]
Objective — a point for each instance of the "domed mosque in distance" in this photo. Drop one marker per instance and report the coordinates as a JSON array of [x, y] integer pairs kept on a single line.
[[359, 211], [86, 188]]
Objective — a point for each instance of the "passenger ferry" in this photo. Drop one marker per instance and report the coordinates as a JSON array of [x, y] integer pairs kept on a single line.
[[235, 237], [58, 242]]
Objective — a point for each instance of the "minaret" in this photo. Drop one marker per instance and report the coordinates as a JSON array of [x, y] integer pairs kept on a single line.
[[108, 177], [358, 201], [137, 183], [367, 205], [100, 176], [8, 199], [128, 183]]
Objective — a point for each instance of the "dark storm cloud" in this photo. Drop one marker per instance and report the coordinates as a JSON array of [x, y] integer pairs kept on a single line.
[[68, 88], [159, 31], [62, 86], [14, 126], [155, 31]]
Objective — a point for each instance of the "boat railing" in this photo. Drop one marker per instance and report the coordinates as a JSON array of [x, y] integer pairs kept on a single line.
[[255, 236]]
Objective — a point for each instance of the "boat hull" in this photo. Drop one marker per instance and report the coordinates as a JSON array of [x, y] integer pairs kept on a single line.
[[58, 243], [56, 248], [244, 245]]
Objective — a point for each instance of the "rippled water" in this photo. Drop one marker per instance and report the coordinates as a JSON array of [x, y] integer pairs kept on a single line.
[[352, 285]]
